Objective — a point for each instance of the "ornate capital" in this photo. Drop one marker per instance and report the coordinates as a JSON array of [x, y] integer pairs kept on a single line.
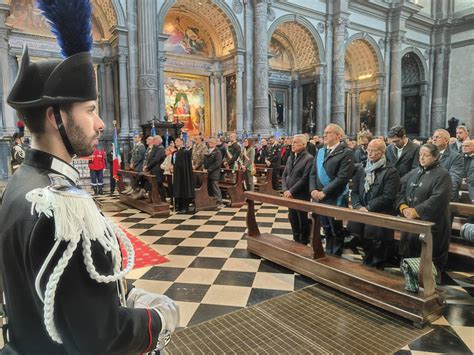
[[237, 6], [340, 24]]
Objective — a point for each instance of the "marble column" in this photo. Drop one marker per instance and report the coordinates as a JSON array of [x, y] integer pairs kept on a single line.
[[355, 118], [338, 72], [395, 117], [109, 97], [424, 122], [328, 88], [13, 71], [239, 100], [161, 77], [248, 92], [438, 115], [102, 91], [319, 103], [261, 121], [386, 96], [7, 119], [133, 99], [222, 102], [378, 110], [212, 109], [123, 92], [147, 60], [294, 119]]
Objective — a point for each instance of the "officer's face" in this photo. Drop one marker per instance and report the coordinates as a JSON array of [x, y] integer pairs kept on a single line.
[[83, 127]]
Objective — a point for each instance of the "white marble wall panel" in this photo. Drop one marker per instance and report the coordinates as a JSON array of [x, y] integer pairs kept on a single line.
[[462, 36], [364, 20], [317, 5], [418, 36]]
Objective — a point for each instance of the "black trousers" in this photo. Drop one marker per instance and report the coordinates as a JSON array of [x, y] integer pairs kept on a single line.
[[334, 233], [299, 225]]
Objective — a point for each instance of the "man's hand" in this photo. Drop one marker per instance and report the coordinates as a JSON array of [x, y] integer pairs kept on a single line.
[[317, 195], [410, 213], [166, 307], [363, 209], [287, 194], [226, 165]]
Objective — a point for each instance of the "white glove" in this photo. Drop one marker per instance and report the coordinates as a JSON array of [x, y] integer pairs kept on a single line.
[[165, 306]]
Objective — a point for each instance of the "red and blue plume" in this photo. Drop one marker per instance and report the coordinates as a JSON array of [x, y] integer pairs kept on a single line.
[[71, 23]]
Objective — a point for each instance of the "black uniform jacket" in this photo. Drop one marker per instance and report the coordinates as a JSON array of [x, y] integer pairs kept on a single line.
[[429, 192], [380, 198], [409, 159], [183, 180], [339, 166], [295, 177], [156, 158], [87, 314], [212, 163]]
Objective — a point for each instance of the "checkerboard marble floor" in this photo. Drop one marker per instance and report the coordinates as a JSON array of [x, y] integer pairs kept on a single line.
[[210, 272]]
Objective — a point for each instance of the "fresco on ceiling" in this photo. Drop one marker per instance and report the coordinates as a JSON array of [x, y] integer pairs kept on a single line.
[[231, 95], [367, 103], [279, 56], [186, 36], [187, 101], [26, 17]]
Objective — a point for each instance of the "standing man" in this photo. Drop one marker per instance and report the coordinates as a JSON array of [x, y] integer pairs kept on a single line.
[[402, 153], [274, 162], [199, 151], [450, 160], [295, 184], [138, 153], [468, 150], [183, 181], [263, 152], [17, 151], [286, 151], [155, 159], [96, 167], [334, 167], [212, 163], [462, 134], [61, 261], [233, 152], [375, 188], [360, 154]]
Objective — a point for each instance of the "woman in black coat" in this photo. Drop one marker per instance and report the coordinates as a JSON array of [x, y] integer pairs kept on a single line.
[[425, 195]]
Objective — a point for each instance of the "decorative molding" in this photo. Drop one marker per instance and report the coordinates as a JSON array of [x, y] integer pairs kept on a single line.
[[237, 6], [381, 43], [320, 27], [148, 82], [180, 63], [271, 15]]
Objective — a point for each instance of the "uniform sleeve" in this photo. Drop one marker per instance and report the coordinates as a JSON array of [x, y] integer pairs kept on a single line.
[[87, 313]]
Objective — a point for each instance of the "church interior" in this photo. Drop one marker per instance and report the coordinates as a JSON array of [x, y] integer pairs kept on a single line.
[[269, 68]]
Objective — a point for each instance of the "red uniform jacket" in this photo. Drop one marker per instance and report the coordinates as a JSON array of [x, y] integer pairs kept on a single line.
[[97, 160]]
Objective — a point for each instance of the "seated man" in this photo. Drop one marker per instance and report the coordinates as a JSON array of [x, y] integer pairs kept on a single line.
[[375, 189]]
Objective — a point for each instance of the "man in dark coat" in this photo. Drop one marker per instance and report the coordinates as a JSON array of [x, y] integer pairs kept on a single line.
[[222, 147], [402, 153], [212, 163], [468, 150], [17, 151], [450, 160], [333, 168], [155, 159], [274, 162], [360, 153], [262, 153], [375, 189], [462, 134], [60, 261], [295, 184], [286, 151], [233, 152], [310, 147], [425, 195], [137, 154], [183, 180]]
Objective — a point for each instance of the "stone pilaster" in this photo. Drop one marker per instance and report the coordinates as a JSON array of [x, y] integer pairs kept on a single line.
[[261, 120], [161, 76], [109, 97], [320, 82], [378, 110], [133, 99], [239, 99], [355, 114], [438, 105], [328, 91], [248, 96], [424, 121], [395, 117], [7, 118], [102, 91], [147, 60], [123, 92], [338, 70]]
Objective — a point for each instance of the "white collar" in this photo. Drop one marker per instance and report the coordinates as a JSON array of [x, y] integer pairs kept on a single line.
[[65, 169], [333, 147]]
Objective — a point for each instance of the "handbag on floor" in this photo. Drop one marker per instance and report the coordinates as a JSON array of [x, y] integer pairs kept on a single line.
[[410, 268]]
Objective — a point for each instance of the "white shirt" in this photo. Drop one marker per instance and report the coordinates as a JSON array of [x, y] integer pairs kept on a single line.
[[400, 150]]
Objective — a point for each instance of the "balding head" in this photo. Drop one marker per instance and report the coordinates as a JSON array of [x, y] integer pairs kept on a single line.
[[376, 150], [468, 146], [157, 140], [441, 139]]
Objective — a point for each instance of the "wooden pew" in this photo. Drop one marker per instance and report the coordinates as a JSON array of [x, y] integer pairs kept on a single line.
[[264, 181], [153, 205], [377, 287], [458, 245], [233, 186], [203, 201]]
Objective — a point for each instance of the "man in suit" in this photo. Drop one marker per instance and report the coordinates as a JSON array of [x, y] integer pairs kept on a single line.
[[450, 160], [212, 163], [155, 159], [274, 162], [233, 152], [199, 150], [262, 153], [468, 150], [286, 151], [375, 188], [402, 153], [333, 168], [295, 184], [462, 134]]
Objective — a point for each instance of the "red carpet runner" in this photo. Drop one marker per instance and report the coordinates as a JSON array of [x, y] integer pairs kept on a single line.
[[144, 255]]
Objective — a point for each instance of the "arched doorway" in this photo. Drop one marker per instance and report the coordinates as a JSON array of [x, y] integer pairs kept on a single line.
[[202, 74], [294, 78], [363, 87], [412, 93]]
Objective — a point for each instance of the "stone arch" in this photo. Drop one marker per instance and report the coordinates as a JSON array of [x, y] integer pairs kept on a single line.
[[232, 20], [119, 13], [308, 26], [420, 60], [372, 45]]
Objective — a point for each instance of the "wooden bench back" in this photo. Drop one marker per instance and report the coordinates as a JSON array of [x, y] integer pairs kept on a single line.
[[425, 276]]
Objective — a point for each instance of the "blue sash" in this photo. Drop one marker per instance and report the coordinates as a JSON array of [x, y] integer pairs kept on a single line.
[[325, 179]]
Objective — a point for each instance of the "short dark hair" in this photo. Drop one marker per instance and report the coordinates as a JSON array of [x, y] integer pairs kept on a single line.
[[33, 117], [433, 149], [397, 131]]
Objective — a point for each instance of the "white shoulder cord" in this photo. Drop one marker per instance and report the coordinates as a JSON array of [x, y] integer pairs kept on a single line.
[[76, 218]]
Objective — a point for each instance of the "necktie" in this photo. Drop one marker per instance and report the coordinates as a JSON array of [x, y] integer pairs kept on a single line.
[[328, 151]]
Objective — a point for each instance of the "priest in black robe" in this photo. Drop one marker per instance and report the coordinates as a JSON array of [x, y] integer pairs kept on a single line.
[[183, 183]]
